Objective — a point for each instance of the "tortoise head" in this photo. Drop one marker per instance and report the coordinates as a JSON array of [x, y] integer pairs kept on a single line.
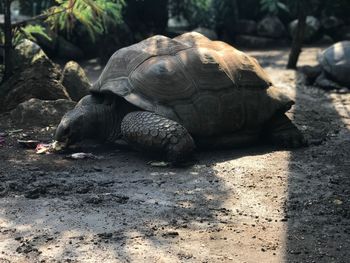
[[76, 125]]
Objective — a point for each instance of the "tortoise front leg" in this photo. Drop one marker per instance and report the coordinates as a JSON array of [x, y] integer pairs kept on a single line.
[[149, 131]]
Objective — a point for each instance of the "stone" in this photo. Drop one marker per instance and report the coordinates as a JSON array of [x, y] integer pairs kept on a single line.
[[41, 113], [312, 29], [245, 27], [271, 26], [209, 33], [330, 23], [75, 81], [65, 49], [26, 53], [36, 76]]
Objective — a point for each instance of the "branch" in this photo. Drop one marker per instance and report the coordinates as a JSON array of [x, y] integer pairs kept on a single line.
[[43, 16]]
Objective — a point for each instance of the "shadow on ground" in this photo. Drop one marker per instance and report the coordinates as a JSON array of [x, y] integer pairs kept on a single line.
[[318, 205]]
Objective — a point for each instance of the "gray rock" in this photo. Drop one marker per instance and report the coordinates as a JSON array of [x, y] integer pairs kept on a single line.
[[75, 81], [312, 29], [330, 23], [245, 27], [209, 33], [65, 49], [36, 76], [35, 112], [26, 53], [271, 26]]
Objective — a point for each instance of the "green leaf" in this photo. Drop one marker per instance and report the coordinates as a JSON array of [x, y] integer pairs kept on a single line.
[[94, 15], [29, 30]]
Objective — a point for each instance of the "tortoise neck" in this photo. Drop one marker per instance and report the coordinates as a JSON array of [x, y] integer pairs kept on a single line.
[[111, 117]]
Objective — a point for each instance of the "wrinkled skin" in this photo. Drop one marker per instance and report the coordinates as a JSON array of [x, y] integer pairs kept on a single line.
[[93, 117], [76, 125]]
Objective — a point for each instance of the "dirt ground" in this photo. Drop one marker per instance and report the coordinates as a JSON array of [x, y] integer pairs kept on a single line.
[[259, 204]]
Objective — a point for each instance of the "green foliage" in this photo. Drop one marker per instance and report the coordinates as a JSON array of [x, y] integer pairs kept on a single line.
[[273, 7], [25, 32], [30, 30], [196, 12], [95, 15]]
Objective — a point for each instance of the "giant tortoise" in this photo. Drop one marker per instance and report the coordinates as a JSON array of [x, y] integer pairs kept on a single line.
[[333, 70], [169, 95]]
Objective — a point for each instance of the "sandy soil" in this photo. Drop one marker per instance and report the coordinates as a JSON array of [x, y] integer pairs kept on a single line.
[[259, 204]]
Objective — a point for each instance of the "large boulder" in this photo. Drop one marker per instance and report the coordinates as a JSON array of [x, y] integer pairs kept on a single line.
[[35, 112], [312, 29], [209, 33], [35, 76], [75, 81], [26, 53], [271, 26], [245, 27]]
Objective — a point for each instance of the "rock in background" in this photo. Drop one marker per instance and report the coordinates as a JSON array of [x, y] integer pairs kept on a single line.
[[31, 112], [245, 27], [272, 27], [75, 81], [312, 29], [36, 76]]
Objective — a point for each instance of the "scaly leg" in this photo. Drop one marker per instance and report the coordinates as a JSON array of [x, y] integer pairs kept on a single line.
[[149, 131]]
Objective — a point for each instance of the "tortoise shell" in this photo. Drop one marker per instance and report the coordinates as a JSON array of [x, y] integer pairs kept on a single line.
[[208, 86], [335, 60]]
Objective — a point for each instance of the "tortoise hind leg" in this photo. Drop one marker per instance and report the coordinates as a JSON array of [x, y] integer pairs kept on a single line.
[[149, 131], [282, 132]]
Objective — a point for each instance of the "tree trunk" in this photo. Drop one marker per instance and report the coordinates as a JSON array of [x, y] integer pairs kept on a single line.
[[8, 40], [298, 37]]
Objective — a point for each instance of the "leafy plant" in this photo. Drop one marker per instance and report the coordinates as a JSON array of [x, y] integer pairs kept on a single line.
[[93, 15], [20, 33]]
